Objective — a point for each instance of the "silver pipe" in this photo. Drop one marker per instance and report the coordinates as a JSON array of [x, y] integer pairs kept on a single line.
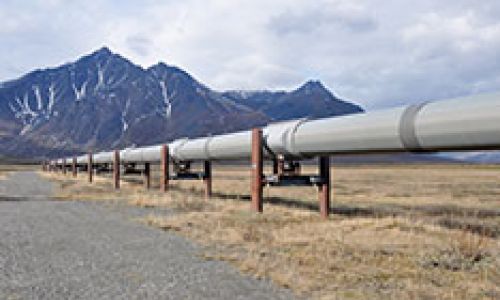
[[466, 123]]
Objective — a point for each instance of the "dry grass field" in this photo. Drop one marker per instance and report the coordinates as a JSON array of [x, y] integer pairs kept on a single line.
[[398, 231], [7, 168]]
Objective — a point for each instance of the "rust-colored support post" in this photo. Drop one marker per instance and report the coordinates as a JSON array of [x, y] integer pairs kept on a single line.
[[324, 186], [73, 167], [275, 166], [64, 166], [281, 166], [207, 178], [298, 169], [257, 166], [147, 175], [116, 169], [90, 167], [165, 160]]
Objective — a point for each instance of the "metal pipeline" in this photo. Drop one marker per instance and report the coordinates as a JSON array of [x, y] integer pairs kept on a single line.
[[467, 123]]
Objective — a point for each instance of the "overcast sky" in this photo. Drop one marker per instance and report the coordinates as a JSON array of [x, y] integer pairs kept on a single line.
[[376, 53]]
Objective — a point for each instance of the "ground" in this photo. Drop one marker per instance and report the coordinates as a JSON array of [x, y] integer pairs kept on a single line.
[[53, 249], [398, 231]]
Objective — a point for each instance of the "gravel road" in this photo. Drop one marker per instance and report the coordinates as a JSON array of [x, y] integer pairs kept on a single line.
[[80, 250]]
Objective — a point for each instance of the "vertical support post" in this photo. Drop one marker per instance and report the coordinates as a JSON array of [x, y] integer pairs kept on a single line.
[[207, 178], [116, 169], [147, 175], [298, 168], [281, 166], [90, 167], [324, 186], [165, 176], [64, 166], [257, 166], [275, 166], [73, 167]]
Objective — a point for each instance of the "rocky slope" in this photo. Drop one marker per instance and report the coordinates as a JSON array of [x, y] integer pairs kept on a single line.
[[103, 100]]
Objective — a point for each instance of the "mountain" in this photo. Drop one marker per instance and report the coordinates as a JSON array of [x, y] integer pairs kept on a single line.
[[104, 101], [310, 100], [478, 157]]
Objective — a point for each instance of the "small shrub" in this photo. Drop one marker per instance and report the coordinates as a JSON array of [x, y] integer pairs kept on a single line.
[[466, 251]]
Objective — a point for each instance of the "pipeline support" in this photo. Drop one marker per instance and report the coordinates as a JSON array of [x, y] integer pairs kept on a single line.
[[74, 170], [324, 186], [257, 168], [207, 178], [147, 175], [90, 167], [64, 166], [165, 173], [116, 169]]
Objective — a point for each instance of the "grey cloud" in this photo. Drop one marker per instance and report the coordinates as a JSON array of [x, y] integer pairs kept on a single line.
[[377, 53], [318, 17], [139, 45]]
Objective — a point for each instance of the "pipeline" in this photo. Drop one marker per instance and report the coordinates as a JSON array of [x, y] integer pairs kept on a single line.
[[466, 123]]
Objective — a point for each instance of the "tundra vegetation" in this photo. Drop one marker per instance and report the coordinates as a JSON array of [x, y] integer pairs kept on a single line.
[[396, 231], [7, 167]]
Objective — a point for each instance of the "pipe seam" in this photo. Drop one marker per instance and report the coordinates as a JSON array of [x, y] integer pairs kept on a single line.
[[407, 132]]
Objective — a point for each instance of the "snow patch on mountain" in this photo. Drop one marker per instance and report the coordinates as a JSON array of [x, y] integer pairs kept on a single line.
[[124, 115], [100, 78], [80, 92], [23, 112], [52, 99], [166, 99], [38, 97]]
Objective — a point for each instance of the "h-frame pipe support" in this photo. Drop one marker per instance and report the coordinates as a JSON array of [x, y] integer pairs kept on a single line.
[[182, 171], [258, 181]]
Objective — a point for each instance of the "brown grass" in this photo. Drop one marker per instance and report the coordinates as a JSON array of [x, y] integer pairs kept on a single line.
[[5, 169], [396, 232], [99, 190]]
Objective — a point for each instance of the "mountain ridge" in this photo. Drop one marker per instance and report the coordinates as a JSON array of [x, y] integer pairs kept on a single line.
[[103, 100]]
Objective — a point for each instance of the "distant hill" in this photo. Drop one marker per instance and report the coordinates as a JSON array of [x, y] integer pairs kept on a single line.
[[104, 101], [395, 158], [481, 157]]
